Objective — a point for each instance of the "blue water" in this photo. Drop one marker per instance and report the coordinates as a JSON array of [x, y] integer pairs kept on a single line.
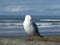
[[12, 25]]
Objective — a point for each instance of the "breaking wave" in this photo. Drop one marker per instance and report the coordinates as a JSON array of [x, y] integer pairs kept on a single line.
[[19, 25]]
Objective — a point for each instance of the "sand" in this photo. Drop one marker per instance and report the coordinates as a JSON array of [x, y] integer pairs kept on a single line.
[[36, 41]]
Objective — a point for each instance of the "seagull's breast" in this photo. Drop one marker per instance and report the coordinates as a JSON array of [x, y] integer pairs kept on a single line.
[[28, 27]]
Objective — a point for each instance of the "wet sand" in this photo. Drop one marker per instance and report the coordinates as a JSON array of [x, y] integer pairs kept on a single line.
[[37, 41]]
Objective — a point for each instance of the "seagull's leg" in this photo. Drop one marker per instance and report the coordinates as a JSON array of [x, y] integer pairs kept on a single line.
[[28, 38], [32, 38]]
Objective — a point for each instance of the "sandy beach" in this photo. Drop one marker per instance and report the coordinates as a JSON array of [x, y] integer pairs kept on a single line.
[[36, 41]]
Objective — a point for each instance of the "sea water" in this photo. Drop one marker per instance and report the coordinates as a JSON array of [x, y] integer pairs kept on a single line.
[[13, 25]]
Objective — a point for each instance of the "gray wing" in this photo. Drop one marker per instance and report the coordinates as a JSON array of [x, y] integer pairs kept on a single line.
[[36, 29]]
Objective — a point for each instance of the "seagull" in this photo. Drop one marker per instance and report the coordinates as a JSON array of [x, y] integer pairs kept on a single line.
[[31, 28]]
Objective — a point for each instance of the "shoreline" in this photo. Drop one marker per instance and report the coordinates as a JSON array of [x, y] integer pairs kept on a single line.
[[45, 38], [21, 41]]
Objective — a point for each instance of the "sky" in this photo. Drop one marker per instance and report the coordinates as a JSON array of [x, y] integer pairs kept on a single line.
[[32, 7]]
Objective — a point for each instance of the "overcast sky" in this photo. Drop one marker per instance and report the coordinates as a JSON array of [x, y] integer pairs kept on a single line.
[[32, 7]]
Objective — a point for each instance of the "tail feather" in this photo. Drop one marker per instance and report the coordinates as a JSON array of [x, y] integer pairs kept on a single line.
[[39, 35]]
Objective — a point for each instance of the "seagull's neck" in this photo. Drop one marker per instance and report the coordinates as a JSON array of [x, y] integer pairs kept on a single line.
[[27, 21]]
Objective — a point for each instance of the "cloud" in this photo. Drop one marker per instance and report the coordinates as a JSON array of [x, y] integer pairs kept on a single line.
[[15, 9]]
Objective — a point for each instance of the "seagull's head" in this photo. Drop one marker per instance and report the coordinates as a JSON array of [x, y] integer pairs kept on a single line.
[[28, 18]]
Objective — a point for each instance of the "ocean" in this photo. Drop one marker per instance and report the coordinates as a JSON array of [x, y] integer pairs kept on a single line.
[[11, 25]]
